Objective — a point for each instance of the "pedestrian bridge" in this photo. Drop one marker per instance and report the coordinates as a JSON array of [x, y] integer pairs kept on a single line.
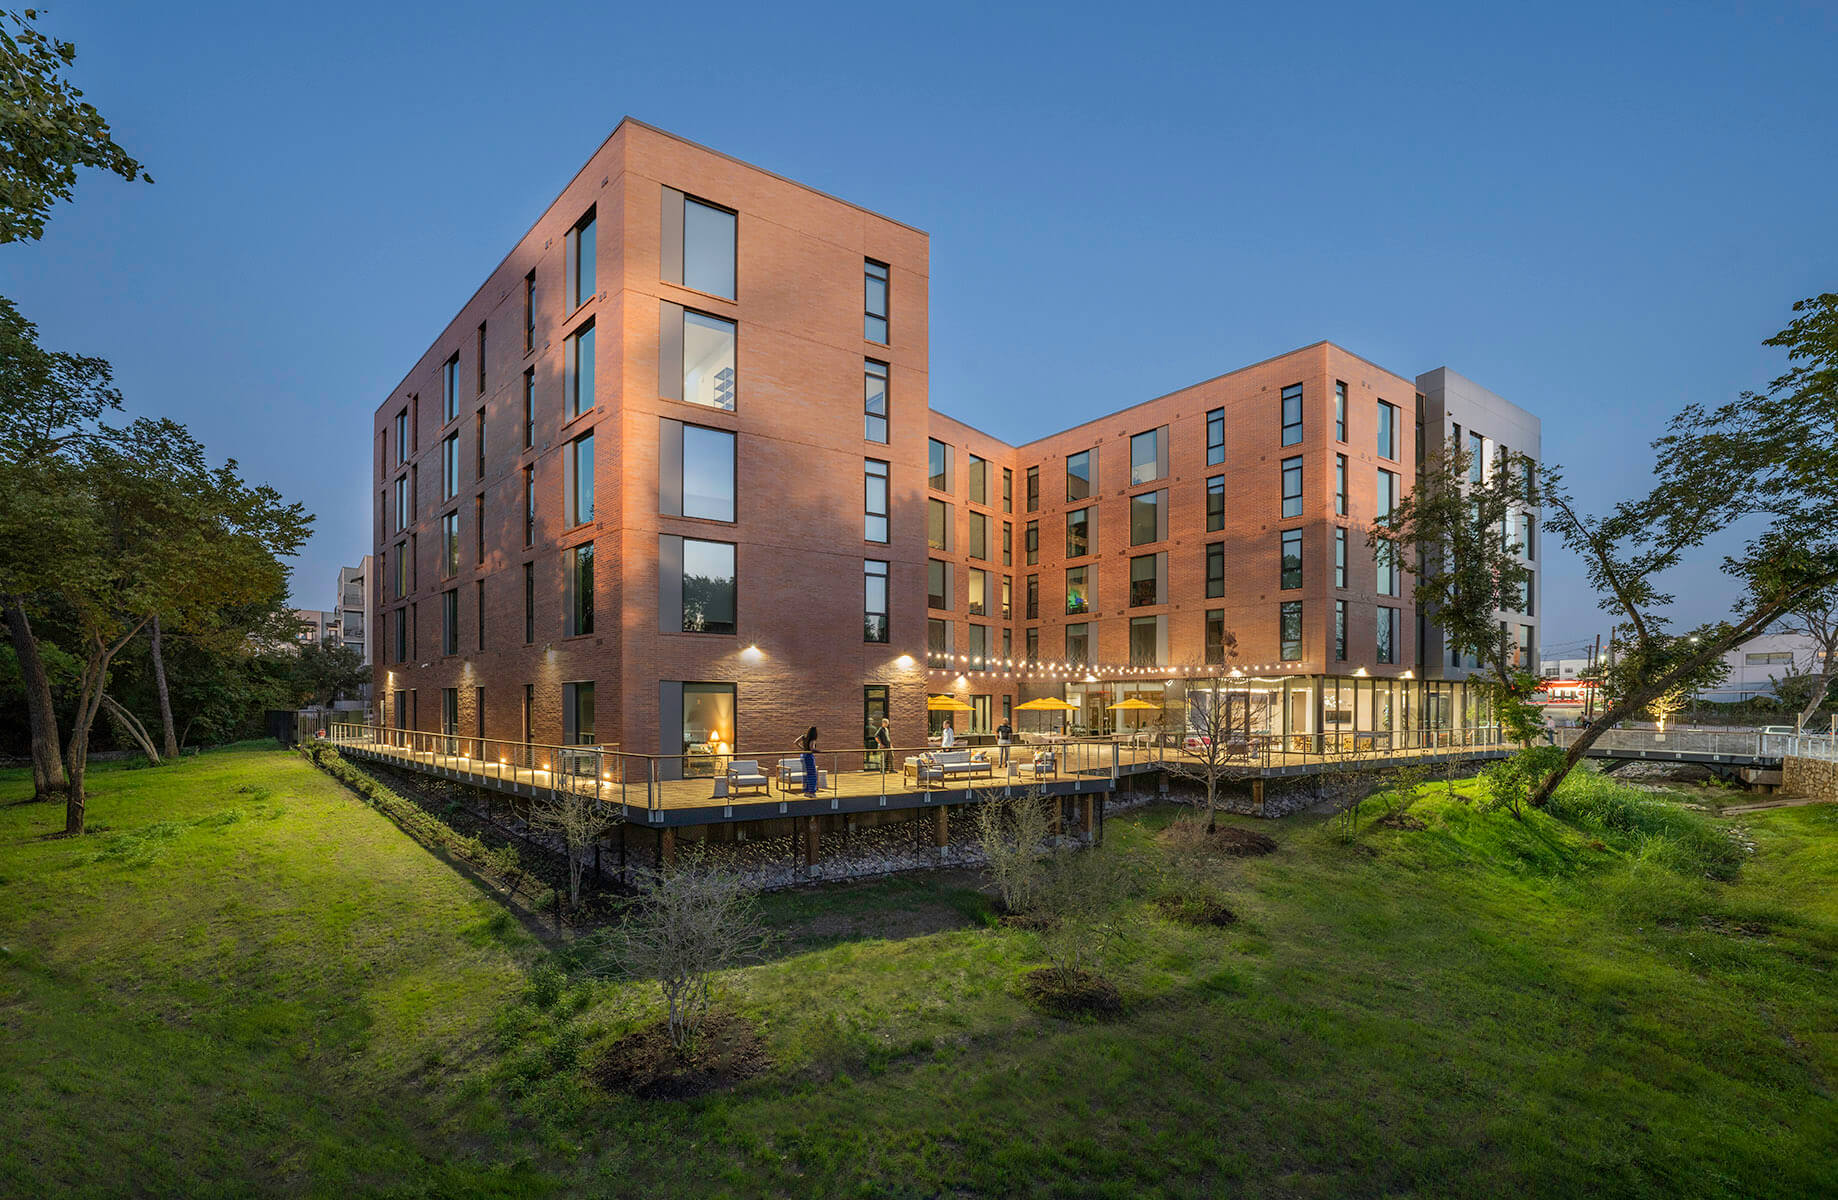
[[1717, 748]]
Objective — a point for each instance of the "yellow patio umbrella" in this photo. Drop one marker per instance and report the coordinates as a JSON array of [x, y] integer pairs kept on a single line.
[[1133, 705], [1047, 704], [945, 704]]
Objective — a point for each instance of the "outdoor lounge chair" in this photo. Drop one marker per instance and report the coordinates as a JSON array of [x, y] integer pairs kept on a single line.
[[791, 775], [745, 773], [950, 764], [1044, 764]]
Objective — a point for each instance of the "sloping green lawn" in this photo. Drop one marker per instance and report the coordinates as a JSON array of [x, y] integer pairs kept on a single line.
[[229, 991]]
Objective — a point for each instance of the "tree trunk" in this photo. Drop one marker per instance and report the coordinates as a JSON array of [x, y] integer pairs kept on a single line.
[[48, 777], [169, 738], [89, 700], [130, 725], [1817, 698]]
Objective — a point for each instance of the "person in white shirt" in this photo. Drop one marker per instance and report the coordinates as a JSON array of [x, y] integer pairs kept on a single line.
[[949, 738]]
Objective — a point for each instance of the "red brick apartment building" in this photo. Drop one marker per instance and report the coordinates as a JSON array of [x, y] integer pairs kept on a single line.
[[671, 477]]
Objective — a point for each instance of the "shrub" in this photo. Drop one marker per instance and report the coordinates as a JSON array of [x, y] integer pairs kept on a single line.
[[1658, 829], [1009, 832]]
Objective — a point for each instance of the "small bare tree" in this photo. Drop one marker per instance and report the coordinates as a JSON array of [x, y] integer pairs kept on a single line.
[[1347, 781], [691, 920], [1402, 780], [1082, 898], [1215, 747], [1010, 831], [579, 820]]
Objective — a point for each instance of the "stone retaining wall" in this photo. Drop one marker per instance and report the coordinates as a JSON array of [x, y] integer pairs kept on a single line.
[[1809, 778]]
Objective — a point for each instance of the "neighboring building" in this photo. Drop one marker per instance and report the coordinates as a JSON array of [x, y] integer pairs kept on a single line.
[[1754, 667], [624, 497], [1564, 668], [356, 606], [316, 625]]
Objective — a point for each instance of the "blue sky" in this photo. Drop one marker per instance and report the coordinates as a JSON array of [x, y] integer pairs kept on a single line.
[[1598, 211]]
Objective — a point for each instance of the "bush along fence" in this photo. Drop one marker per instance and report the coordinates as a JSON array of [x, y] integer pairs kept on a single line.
[[500, 863]]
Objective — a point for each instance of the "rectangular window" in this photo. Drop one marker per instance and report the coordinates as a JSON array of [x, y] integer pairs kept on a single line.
[[578, 589], [1340, 485], [449, 621], [1078, 592], [1340, 558], [1031, 539], [578, 714], [937, 584], [1215, 504], [1008, 544], [449, 466], [450, 389], [937, 524], [402, 436], [708, 714], [401, 621], [1215, 570], [1387, 644], [937, 641], [874, 610], [710, 600], [979, 536], [1031, 645], [1526, 531], [874, 500], [937, 465], [1340, 411], [1385, 554], [979, 480], [478, 529], [529, 603], [979, 592], [403, 509], [1527, 591], [1340, 631], [1387, 430], [1289, 630], [979, 645], [1008, 490], [580, 370], [1215, 437], [1146, 457], [874, 301], [874, 401], [1031, 611], [449, 545], [695, 471], [1148, 518], [401, 569], [581, 257], [1292, 414], [1477, 457], [1145, 580], [580, 471], [529, 408], [1525, 648], [1078, 475], [708, 346], [1292, 487], [1078, 533], [1008, 599], [709, 248], [876, 707], [1292, 560], [478, 613], [481, 380], [1033, 489], [1215, 637], [529, 505], [1145, 641], [529, 312], [478, 442], [1078, 643]]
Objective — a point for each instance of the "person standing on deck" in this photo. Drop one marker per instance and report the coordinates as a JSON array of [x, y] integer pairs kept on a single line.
[[883, 738], [808, 744], [1005, 733], [948, 738]]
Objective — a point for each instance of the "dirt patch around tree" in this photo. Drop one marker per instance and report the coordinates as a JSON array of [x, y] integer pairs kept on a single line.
[[644, 1064], [1072, 993], [1199, 911], [1400, 820]]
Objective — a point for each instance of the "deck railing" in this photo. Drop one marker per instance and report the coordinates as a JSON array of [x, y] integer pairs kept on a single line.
[[1726, 743]]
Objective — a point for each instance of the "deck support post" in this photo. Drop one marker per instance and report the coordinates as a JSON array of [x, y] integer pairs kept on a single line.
[[666, 847], [813, 837], [941, 826], [1257, 796], [1088, 816], [1056, 814]]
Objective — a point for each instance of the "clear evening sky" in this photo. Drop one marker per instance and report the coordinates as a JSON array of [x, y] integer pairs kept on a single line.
[[1597, 211]]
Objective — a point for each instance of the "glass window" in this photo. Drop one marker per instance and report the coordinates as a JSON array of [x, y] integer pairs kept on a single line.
[[1527, 591], [1292, 559], [580, 464], [1078, 475], [529, 408], [1526, 531], [1008, 490], [1215, 504], [578, 589], [1292, 487], [937, 641], [708, 248], [1031, 539], [709, 600], [937, 524], [1477, 457], [1145, 639], [529, 505], [1008, 599], [403, 508], [1032, 610], [1387, 430], [449, 545], [979, 645], [1340, 411], [979, 536], [401, 623], [1340, 558], [708, 473], [979, 592], [529, 603], [449, 466], [708, 360], [450, 389], [401, 569], [979, 480], [1340, 485], [1215, 437], [874, 400], [402, 436], [937, 584], [1289, 630], [1215, 570], [478, 529], [1387, 646], [1078, 643], [1145, 457], [481, 379], [1033, 489], [1078, 533], [1008, 544], [1292, 414], [1078, 594], [1145, 518], [874, 500], [708, 716], [478, 442], [1032, 645], [581, 262], [1215, 636], [1340, 631], [874, 301], [578, 714], [876, 706], [937, 465], [1145, 583], [529, 312], [449, 621], [580, 351], [1524, 648], [874, 608]]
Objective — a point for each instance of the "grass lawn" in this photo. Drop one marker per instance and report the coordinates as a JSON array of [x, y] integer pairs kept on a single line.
[[247, 981]]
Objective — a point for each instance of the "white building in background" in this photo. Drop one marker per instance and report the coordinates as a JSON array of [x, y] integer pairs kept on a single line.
[[356, 603], [317, 625], [1754, 666]]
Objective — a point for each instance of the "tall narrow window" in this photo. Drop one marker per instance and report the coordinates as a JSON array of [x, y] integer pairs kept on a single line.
[[401, 635], [937, 524], [979, 480], [1078, 533], [577, 714], [529, 603], [937, 584], [580, 363], [708, 345], [1292, 487], [478, 442], [529, 505], [402, 436], [1008, 490], [404, 508], [1148, 518], [529, 408], [1145, 641], [874, 301], [1215, 570], [1033, 489], [1008, 599], [979, 536], [529, 312], [1215, 504], [695, 471], [1215, 437], [580, 465], [1340, 558], [1078, 589], [1008, 544], [449, 621], [1387, 430], [478, 612], [578, 589], [1031, 539], [1292, 560], [481, 380], [401, 570], [1031, 605], [937, 641], [1340, 411], [450, 389], [1032, 645], [1292, 414], [1145, 580], [709, 248], [978, 592], [1387, 645], [478, 529], [1340, 485], [581, 258], [874, 400], [449, 466], [449, 545], [1078, 643], [1078, 475], [1340, 631], [1215, 637], [710, 599], [874, 501], [874, 611], [1289, 630], [937, 465], [1146, 457]]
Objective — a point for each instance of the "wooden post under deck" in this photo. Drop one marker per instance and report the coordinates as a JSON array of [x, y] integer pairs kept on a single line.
[[1257, 796], [1088, 815], [666, 846], [941, 826], [813, 836]]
